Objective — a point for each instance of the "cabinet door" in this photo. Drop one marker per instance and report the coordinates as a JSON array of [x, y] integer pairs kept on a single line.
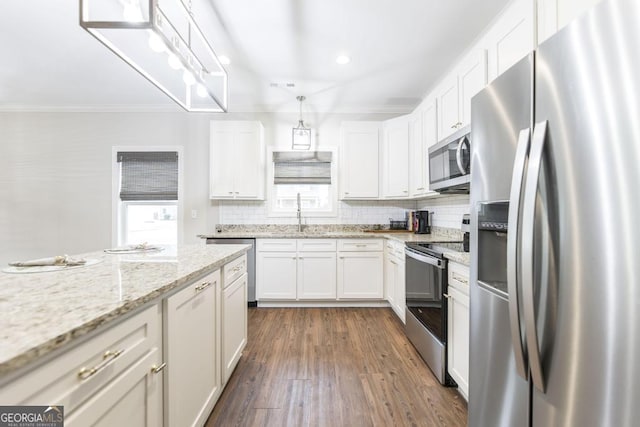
[[448, 100], [429, 137], [360, 275], [458, 339], [222, 160], [234, 325], [472, 78], [249, 161], [417, 157], [317, 275], [395, 172], [512, 37], [359, 160], [132, 399], [276, 275], [390, 279], [400, 300], [192, 351]]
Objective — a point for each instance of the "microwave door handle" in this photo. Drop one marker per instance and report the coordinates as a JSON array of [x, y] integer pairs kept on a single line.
[[461, 166], [514, 254], [528, 235]]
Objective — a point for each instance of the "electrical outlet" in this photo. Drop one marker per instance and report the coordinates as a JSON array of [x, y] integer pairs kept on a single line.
[[194, 214]]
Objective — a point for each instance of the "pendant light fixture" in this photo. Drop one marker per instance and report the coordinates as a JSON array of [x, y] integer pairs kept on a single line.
[[161, 39], [301, 135]]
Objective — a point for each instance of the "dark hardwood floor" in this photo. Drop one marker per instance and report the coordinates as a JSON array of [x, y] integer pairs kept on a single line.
[[333, 367]]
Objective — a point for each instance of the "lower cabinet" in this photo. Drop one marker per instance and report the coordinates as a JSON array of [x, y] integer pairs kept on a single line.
[[458, 326], [133, 399], [192, 350], [113, 378], [394, 276], [234, 324], [319, 269]]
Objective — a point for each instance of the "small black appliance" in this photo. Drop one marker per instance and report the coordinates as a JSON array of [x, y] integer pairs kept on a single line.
[[423, 222], [466, 228]]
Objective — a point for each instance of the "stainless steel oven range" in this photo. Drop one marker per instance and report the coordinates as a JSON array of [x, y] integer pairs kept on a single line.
[[426, 312]]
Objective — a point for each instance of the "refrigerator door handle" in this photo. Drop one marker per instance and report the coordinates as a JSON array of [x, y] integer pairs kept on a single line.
[[514, 253], [461, 167], [528, 233]]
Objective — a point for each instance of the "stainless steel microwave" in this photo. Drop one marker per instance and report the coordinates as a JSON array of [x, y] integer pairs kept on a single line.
[[450, 163]]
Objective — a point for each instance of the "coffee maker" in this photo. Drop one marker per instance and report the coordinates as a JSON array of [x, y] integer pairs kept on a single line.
[[422, 222]]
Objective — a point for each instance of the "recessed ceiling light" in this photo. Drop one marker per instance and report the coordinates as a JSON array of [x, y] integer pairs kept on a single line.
[[342, 59], [224, 60]]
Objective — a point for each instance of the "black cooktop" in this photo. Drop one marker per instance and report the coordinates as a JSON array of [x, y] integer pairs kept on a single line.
[[436, 248]]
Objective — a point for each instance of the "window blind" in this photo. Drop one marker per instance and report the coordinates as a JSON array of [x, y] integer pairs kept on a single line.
[[148, 175], [309, 167]]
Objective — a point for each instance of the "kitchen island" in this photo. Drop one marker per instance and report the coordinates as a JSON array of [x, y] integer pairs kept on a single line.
[[80, 337]]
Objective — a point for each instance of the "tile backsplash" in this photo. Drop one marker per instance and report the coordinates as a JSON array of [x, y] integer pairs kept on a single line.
[[447, 212]]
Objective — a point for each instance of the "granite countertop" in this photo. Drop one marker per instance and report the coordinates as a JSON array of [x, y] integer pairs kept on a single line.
[[402, 237], [42, 312]]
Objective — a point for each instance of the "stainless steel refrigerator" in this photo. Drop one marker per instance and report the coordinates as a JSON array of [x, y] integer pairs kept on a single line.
[[555, 243]]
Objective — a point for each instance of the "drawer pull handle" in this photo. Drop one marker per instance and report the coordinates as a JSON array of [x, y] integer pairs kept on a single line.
[[361, 246], [460, 279], [157, 369], [107, 357], [203, 286]]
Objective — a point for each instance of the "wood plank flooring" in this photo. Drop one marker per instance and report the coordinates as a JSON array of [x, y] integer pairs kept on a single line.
[[333, 367]]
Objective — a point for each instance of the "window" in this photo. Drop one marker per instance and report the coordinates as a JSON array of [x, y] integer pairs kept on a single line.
[[147, 202], [308, 173]]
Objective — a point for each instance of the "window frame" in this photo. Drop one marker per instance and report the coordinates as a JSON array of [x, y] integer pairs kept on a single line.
[[272, 212], [118, 217]]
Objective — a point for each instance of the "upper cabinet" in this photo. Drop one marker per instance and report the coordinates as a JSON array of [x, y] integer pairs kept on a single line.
[[555, 14], [423, 133], [395, 158], [237, 160], [359, 160], [455, 92]]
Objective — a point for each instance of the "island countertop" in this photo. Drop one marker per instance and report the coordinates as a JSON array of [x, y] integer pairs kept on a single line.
[[42, 312]]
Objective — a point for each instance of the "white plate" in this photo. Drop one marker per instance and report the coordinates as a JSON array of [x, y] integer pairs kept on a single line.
[[133, 250], [47, 268]]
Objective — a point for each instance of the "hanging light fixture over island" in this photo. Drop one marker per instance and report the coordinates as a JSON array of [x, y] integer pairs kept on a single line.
[[162, 40]]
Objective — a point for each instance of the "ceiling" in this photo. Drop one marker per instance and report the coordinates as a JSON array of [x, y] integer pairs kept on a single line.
[[399, 49]]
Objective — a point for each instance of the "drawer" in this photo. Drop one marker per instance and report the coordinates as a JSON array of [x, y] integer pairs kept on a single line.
[[459, 277], [234, 269], [395, 248], [317, 245], [276, 245], [360, 245], [76, 375]]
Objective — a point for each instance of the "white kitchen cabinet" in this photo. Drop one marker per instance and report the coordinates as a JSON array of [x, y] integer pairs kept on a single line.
[[395, 278], [552, 15], [276, 275], [98, 376], [237, 160], [423, 133], [360, 269], [309, 273], [132, 399], [234, 321], [458, 326], [455, 92], [192, 350], [395, 158], [317, 275], [359, 160], [512, 37]]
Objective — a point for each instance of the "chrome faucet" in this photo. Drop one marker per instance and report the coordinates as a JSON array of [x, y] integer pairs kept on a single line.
[[299, 215]]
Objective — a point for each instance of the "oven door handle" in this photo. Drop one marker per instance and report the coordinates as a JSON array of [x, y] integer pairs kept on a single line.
[[425, 258]]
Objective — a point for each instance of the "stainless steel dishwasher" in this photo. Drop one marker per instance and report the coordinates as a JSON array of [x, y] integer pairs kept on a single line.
[[251, 263]]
